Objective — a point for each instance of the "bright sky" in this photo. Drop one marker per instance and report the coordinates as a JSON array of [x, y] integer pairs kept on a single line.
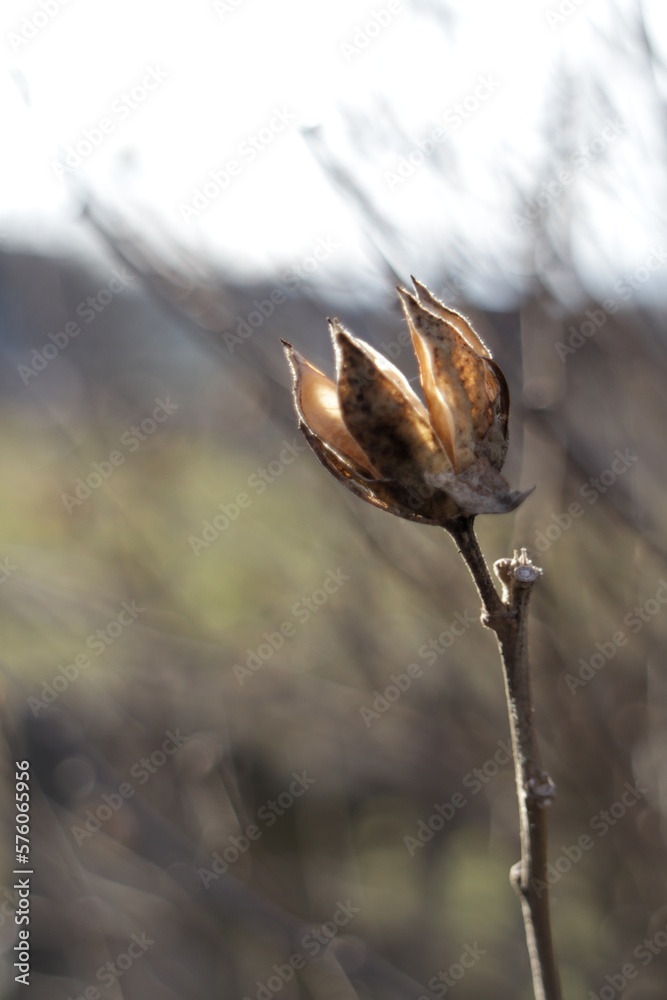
[[154, 97]]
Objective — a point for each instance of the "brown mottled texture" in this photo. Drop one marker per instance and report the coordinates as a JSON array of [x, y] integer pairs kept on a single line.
[[494, 444], [482, 490], [387, 495], [316, 398], [431, 463], [381, 415], [452, 375], [459, 322]]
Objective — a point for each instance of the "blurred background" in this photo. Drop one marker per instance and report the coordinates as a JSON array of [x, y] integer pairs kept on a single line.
[[265, 729]]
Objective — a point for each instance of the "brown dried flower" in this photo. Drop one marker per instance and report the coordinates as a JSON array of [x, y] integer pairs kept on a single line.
[[432, 463]]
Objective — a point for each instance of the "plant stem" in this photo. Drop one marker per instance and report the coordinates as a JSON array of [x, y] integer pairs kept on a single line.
[[508, 617]]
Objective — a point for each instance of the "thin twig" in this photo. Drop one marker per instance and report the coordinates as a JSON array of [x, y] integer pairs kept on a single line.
[[508, 617]]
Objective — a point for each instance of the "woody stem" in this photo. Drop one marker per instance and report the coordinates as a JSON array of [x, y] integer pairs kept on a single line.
[[508, 617]]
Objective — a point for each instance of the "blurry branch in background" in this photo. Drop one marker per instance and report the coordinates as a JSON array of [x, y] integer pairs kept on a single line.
[[380, 233], [199, 296], [163, 846], [194, 292]]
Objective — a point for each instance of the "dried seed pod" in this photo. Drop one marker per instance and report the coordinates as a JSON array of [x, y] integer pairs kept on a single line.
[[433, 463]]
